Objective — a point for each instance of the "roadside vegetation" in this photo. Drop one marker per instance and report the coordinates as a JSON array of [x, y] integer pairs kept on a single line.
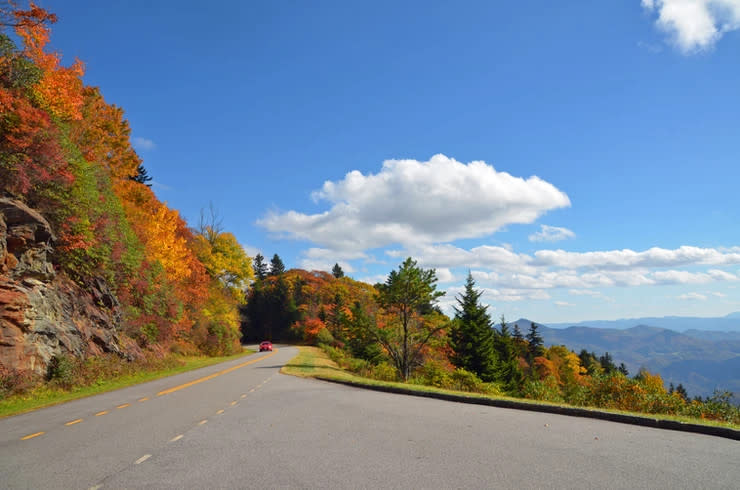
[[315, 362], [72, 378], [394, 333]]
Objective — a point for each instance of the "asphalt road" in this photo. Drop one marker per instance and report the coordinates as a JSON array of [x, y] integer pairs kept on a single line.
[[251, 427]]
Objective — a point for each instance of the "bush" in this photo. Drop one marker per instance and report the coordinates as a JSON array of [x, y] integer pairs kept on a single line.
[[13, 381], [384, 372], [432, 373], [324, 337], [462, 380], [546, 390], [62, 371]]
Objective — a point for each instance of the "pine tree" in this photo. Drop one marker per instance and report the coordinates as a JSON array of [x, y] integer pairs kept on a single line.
[[536, 343], [337, 271], [142, 176], [276, 266], [260, 267], [623, 369], [472, 335]]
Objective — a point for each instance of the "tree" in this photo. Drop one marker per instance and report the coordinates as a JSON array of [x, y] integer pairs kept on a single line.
[[536, 344], [260, 267], [142, 176], [623, 369], [407, 296], [276, 266], [472, 337], [337, 271]]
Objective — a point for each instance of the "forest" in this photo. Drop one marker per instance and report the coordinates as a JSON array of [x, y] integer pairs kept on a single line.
[[66, 153]]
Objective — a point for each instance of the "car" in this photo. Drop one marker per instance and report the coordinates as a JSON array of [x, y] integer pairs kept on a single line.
[[266, 345]]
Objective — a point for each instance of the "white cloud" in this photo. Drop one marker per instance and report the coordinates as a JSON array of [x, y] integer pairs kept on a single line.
[[627, 259], [584, 292], [412, 202], [695, 25], [692, 297], [143, 143], [563, 304], [323, 259], [551, 234], [718, 294]]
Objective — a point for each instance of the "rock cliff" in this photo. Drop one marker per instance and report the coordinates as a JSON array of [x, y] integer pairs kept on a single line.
[[43, 313]]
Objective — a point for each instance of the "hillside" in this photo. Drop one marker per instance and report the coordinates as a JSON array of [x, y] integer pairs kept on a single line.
[[728, 323], [700, 360]]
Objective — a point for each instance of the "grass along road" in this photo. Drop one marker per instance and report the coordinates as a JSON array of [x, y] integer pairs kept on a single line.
[[47, 395], [313, 362]]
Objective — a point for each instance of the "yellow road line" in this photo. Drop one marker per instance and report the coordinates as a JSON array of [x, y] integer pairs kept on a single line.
[[211, 376], [142, 459], [74, 422], [220, 412], [244, 396], [176, 438], [31, 436], [101, 413], [233, 403], [143, 399], [124, 405], [202, 422]]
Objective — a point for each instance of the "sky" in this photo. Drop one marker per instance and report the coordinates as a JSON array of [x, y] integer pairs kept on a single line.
[[579, 158]]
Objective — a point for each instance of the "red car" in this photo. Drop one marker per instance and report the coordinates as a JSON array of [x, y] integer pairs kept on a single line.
[[266, 345]]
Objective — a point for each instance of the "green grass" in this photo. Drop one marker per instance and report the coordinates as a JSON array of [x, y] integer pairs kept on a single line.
[[47, 395], [314, 363]]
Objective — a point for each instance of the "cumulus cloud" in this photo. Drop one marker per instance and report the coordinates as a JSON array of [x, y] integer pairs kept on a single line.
[[551, 234], [695, 25], [323, 259], [143, 143], [692, 297], [627, 259], [412, 202]]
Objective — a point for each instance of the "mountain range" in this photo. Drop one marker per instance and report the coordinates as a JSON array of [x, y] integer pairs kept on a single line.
[[693, 353]]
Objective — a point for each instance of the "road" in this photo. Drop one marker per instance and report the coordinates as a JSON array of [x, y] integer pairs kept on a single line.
[[242, 424]]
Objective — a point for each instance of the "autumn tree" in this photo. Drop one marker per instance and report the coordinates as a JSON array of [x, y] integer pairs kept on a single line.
[[472, 337], [407, 295]]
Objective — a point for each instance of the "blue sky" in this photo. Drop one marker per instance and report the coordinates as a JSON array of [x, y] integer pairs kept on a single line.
[[606, 136]]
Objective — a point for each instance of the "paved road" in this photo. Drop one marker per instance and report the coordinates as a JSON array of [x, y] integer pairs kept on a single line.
[[251, 427]]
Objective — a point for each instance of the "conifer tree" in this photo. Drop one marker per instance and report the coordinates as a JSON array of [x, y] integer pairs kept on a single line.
[[535, 340], [472, 336], [142, 176], [337, 271], [276, 266], [260, 267]]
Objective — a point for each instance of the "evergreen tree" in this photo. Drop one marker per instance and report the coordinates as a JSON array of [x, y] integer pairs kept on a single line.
[[623, 369], [607, 364], [682, 391], [508, 371], [337, 271], [472, 336], [260, 267], [276, 266], [517, 333], [408, 294], [142, 176], [536, 343]]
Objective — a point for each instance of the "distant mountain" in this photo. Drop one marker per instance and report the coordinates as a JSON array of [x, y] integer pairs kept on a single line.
[[701, 360], [728, 323]]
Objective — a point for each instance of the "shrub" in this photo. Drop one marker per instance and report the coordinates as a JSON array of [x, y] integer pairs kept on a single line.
[[384, 372], [324, 337], [546, 389], [62, 371]]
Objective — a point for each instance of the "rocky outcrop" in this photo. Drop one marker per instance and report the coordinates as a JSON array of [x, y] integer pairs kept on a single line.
[[42, 313]]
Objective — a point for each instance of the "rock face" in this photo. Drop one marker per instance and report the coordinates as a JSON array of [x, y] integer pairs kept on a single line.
[[42, 313]]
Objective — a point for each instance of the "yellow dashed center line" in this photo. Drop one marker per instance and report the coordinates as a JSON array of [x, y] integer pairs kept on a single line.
[[101, 413], [220, 412], [233, 403], [73, 422], [31, 436], [211, 376], [143, 399], [202, 422], [142, 459], [251, 390], [244, 395], [124, 405], [176, 438]]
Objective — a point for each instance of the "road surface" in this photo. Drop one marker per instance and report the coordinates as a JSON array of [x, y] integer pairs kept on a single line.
[[242, 424]]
